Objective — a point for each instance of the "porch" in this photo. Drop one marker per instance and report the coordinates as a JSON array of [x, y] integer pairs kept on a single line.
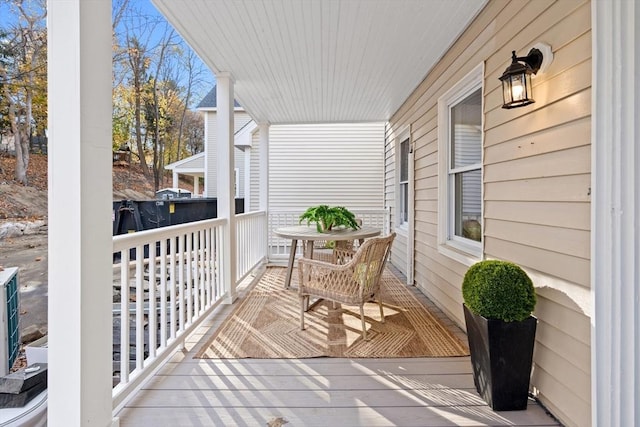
[[165, 385], [315, 392], [587, 372]]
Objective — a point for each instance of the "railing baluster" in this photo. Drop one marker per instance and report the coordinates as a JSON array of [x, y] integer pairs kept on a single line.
[[172, 288], [200, 265], [153, 319], [163, 293], [181, 283], [207, 263], [139, 307], [189, 283], [124, 316], [193, 283], [221, 285]]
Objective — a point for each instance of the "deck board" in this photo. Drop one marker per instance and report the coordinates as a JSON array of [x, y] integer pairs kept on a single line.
[[315, 392], [339, 417]]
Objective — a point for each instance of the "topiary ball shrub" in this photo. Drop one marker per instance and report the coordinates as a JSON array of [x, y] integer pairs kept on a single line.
[[498, 290]]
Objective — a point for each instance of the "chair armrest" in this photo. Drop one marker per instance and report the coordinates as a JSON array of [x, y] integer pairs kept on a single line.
[[316, 274], [302, 262]]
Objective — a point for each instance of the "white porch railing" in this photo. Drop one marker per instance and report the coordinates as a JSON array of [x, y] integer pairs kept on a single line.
[[279, 248], [169, 281], [252, 242]]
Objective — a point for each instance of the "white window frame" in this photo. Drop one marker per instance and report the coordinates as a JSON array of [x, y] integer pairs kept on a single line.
[[401, 223], [463, 250], [402, 227]]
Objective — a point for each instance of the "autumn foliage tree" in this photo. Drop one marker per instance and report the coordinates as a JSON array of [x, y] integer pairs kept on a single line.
[[155, 79], [23, 78]]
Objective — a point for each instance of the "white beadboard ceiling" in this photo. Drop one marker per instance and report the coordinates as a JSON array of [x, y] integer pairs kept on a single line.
[[313, 61]]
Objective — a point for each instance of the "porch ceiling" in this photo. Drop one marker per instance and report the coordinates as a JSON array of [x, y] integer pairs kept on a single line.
[[315, 61]]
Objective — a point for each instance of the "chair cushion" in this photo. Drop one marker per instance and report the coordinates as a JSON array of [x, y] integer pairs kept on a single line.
[[360, 271]]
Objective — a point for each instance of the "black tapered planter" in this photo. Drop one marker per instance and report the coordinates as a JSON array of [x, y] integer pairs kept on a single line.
[[501, 356]]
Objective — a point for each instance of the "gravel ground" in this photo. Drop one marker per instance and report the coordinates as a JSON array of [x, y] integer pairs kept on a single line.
[[29, 253]]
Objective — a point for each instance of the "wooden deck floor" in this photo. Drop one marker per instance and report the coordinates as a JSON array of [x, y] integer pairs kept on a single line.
[[316, 392]]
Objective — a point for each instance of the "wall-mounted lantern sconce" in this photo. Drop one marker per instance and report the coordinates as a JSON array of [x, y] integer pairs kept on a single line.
[[516, 79]]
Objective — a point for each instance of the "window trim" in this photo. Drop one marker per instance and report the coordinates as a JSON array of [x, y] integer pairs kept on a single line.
[[400, 224], [458, 248]]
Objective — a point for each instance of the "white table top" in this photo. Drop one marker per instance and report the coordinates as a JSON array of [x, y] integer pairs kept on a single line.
[[309, 232]]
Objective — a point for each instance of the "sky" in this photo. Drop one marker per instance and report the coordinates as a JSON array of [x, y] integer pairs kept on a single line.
[[148, 8], [145, 6]]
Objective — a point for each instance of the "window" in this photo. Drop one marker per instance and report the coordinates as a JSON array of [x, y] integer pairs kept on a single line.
[[403, 216], [404, 175], [460, 166]]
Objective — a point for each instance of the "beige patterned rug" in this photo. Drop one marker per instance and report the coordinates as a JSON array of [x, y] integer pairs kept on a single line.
[[266, 324]]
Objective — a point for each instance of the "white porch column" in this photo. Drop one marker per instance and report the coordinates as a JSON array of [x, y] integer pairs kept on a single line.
[[225, 179], [80, 194], [263, 128], [196, 185], [247, 179], [210, 163], [176, 180], [615, 213]]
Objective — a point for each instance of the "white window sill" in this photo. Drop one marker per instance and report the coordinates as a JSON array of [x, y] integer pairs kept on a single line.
[[462, 255]]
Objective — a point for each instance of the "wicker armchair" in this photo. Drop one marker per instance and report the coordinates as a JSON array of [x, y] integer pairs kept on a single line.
[[354, 283]]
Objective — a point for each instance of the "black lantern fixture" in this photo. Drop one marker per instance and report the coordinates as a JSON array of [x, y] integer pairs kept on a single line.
[[516, 79]]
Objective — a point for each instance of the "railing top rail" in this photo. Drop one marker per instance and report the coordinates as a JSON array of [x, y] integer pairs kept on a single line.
[[251, 214], [302, 209], [126, 241]]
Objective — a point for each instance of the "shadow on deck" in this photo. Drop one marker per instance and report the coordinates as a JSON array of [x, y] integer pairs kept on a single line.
[[316, 392]]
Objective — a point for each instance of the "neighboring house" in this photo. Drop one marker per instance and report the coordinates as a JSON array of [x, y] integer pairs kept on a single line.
[[193, 167], [241, 120], [304, 167], [336, 164]]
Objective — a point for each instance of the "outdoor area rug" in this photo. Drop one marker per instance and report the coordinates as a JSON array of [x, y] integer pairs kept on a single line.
[[266, 324]]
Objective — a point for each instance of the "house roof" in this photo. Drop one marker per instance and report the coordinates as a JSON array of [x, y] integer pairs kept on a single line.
[[318, 61], [193, 163], [210, 101]]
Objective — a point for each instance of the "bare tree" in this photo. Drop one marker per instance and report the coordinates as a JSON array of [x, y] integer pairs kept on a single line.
[[194, 132], [158, 151], [194, 72], [136, 56], [155, 76]]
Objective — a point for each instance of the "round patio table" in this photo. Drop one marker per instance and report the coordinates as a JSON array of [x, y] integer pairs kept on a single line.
[[309, 234]]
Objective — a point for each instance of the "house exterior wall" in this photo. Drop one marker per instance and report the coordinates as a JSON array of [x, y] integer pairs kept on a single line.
[[240, 118], [536, 183], [336, 164]]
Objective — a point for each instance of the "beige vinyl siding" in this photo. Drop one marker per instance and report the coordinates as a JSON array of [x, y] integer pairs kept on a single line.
[[398, 255], [336, 164], [240, 118], [536, 182]]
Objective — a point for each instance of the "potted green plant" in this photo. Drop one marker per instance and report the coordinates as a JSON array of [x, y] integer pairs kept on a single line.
[[327, 217], [499, 298]]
